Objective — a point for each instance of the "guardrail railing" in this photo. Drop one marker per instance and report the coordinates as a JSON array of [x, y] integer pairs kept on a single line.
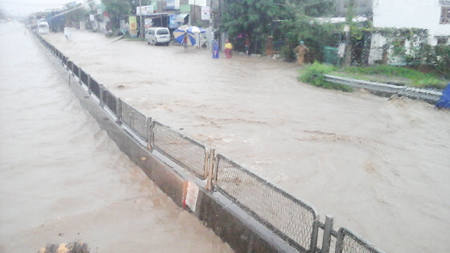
[[184, 150], [429, 95], [291, 219]]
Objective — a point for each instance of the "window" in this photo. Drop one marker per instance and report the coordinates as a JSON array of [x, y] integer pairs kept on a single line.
[[442, 41], [445, 15]]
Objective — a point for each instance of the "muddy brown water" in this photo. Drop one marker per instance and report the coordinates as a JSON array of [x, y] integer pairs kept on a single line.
[[63, 180], [379, 166]]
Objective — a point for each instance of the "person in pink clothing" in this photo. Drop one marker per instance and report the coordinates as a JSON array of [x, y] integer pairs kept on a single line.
[[228, 48]]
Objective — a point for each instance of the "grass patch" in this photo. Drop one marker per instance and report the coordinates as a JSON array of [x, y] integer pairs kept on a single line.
[[401, 75], [134, 39], [315, 75]]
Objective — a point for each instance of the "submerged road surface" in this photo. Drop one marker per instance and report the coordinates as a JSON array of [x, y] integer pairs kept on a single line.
[[380, 166], [63, 180]]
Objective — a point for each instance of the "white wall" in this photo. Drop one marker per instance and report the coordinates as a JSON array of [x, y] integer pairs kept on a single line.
[[423, 14]]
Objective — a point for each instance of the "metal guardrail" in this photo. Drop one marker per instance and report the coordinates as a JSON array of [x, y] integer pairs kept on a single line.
[[417, 93], [110, 100], [348, 242], [293, 220], [93, 86], [183, 150], [136, 120]]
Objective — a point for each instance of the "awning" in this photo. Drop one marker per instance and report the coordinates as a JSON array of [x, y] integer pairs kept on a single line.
[[180, 17]]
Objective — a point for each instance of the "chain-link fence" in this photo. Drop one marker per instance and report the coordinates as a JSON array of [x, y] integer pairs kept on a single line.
[[94, 87], [183, 150], [110, 100], [134, 119], [75, 69], [348, 242], [83, 76], [290, 218]]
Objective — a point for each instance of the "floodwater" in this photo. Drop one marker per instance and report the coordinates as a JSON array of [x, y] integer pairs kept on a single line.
[[63, 180], [380, 167]]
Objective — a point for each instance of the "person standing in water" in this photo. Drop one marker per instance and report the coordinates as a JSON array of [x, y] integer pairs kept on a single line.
[[216, 49], [300, 51], [228, 48]]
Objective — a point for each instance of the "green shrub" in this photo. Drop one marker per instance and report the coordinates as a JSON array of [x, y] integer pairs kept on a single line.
[[418, 79], [315, 75]]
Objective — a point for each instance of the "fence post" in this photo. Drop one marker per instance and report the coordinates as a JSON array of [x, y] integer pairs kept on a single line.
[[315, 234], [210, 168], [149, 133], [71, 68], [89, 84], [101, 88], [119, 111], [340, 241], [327, 234], [79, 75], [66, 62]]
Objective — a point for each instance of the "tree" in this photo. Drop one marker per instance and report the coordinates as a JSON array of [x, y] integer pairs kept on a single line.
[[251, 17], [288, 21], [75, 14], [116, 9], [348, 45]]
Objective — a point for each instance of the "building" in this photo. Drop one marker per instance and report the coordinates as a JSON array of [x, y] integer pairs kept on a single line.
[[431, 15], [363, 7]]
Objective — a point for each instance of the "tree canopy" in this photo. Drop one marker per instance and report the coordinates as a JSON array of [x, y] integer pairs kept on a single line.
[[286, 21], [120, 8]]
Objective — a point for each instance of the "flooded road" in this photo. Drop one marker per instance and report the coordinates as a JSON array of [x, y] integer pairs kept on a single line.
[[379, 166], [63, 180]]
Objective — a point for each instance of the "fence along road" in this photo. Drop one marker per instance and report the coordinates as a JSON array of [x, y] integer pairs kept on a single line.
[[293, 220], [429, 95]]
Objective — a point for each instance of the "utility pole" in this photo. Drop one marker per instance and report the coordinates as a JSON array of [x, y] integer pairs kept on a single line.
[[141, 31], [348, 45]]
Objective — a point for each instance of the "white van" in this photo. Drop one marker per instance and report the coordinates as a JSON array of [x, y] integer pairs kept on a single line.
[[157, 35], [43, 28]]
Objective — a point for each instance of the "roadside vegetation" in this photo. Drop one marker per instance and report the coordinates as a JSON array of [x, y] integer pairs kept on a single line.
[[314, 74]]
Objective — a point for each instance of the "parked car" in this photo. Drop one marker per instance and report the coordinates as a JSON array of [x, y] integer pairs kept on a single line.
[[43, 28], [157, 35]]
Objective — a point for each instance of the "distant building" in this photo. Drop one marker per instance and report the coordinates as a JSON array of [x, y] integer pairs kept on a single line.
[[432, 15], [363, 7]]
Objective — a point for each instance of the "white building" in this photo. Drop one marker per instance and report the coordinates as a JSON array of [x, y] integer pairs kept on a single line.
[[433, 15]]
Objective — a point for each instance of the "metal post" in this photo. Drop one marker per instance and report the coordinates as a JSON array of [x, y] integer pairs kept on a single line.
[[119, 111], [141, 32], [326, 240], [149, 133], [210, 169], [89, 84], [101, 88], [79, 76]]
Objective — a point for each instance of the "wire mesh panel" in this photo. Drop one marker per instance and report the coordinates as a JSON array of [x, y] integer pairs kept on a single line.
[[183, 150], [135, 120], [75, 69], [94, 87], [70, 64], [110, 100], [292, 219], [348, 242], [83, 76]]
